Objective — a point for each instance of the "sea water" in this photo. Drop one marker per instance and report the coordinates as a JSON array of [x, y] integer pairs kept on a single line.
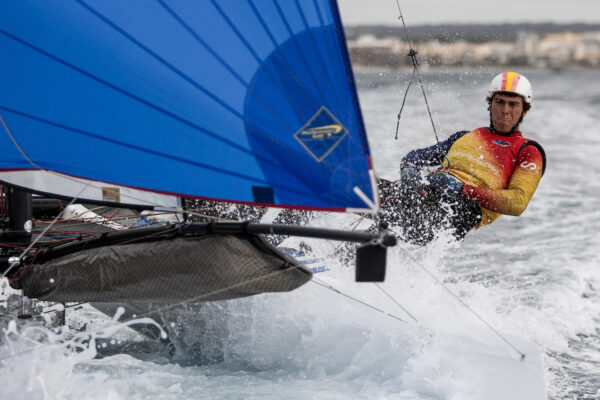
[[535, 277]]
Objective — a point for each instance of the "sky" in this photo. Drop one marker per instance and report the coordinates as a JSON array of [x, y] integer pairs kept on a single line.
[[421, 12]]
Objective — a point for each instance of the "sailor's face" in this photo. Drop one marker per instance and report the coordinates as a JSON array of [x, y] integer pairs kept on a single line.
[[506, 112]]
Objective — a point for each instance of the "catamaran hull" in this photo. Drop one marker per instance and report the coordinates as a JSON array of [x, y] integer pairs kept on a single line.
[[206, 268]]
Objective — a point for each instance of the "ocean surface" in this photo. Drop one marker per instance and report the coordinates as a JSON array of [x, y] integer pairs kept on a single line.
[[535, 277]]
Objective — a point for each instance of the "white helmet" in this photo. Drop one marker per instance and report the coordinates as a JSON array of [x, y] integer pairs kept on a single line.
[[511, 82]]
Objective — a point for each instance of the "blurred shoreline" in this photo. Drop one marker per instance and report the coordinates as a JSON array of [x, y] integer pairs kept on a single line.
[[477, 47], [483, 69]]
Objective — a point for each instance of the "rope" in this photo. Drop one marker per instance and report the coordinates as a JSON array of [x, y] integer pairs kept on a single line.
[[416, 72], [413, 56], [396, 301], [331, 288], [79, 181], [412, 77], [464, 304], [14, 140]]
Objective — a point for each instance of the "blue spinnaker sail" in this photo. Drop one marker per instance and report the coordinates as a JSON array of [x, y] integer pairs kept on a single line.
[[244, 101]]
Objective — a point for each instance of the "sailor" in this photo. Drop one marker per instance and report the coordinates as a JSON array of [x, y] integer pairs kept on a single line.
[[479, 174]]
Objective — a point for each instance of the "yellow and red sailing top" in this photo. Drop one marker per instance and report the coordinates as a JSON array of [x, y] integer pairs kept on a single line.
[[500, 173]]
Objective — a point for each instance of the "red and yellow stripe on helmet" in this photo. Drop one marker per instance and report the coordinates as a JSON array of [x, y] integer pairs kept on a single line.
[[512, 82]]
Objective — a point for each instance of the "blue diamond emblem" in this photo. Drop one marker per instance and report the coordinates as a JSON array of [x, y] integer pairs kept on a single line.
[[321, 134]]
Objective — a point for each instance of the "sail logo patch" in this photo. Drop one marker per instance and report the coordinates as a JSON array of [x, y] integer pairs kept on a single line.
[[111, 194], [321, 131], [501, 143], [321, 134]]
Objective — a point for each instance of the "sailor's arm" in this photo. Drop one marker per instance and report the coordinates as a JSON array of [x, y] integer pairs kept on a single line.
[[432, 155], [524, 181]]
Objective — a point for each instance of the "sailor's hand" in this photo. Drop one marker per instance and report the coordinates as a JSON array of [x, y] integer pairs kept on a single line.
[[410, 177], [409, 173], [445, 184]]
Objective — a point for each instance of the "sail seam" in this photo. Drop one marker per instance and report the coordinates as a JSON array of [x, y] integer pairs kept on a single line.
[[239, 35], [288, 68], [293, 39], [289, 20], [184, 161], [142, 101], [330, 79], [162, 60], [155, 107], [290, 71], [250, 89]]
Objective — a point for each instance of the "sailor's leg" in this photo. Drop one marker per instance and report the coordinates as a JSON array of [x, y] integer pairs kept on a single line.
[[466, 215], [404, 205]]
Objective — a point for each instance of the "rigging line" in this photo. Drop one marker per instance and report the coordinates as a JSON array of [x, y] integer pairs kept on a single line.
[[169, 229], [14, 140], [403, 102], [29, 160], [38, 238], [168, 307], [76, 221], [329, 287], [396, 301], [413, 56], [335, 250], [464, 304]]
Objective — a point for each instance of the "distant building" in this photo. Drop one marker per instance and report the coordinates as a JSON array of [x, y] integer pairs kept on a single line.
[[554, 50], [526, 48]]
